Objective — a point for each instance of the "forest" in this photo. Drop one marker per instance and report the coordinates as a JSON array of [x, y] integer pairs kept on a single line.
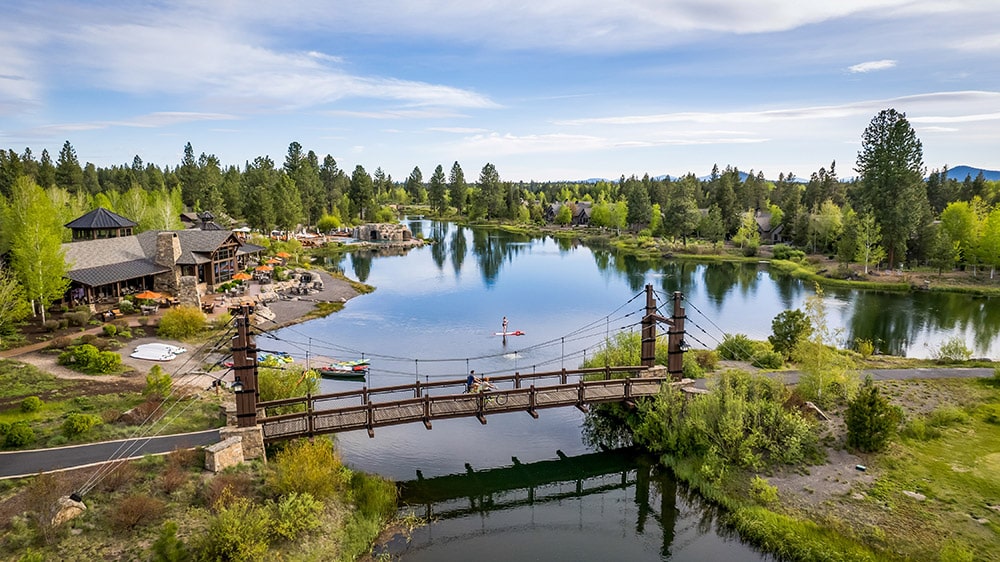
[[892, 212]]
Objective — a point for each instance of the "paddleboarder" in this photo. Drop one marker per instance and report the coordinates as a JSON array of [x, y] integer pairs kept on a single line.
[[504, 331]]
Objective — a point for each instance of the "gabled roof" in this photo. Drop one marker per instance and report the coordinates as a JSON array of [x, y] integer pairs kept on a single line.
[[101, 218], [112, 273], [196, 245], [86, 254]]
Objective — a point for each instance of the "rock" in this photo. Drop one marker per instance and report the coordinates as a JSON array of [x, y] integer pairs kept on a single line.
[[858, 496], [915, 495], [982, 521], [67, 509]]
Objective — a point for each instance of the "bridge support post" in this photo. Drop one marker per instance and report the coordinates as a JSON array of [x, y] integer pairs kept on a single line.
[[245, 371], [675, 340]]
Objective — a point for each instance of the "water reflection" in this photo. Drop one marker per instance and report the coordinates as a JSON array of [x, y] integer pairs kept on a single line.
[[736, 297], [529, 506]]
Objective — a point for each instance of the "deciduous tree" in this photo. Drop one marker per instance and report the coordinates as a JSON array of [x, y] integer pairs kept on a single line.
[[37, 258]]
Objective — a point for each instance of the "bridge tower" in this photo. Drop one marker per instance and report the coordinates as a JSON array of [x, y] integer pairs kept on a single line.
[[245, 371], [675, 334]]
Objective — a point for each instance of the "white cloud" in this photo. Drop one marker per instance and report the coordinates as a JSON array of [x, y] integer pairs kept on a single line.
[[152, 120], [459, 130], [872, 66]]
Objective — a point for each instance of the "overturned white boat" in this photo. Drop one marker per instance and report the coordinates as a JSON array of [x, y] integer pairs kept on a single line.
[[157, 351]]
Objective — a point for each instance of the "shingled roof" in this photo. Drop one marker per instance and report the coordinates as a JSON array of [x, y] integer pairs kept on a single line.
[[101, 218]]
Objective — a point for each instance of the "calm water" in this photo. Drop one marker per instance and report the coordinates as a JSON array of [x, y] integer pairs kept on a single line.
[[434, 314]]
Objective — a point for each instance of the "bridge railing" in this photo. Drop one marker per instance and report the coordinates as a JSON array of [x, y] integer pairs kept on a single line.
[[318, 417], [418, 389]]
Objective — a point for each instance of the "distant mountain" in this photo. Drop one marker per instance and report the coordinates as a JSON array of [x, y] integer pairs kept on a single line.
[[961, 172]]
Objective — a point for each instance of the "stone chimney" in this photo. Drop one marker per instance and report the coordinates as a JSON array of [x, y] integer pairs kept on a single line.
[[168, 251]]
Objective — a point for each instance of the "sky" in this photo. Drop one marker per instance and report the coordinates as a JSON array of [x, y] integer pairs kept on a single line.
[[544, 90]]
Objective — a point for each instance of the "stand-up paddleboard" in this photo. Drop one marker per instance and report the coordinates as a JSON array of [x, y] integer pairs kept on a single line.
[[517, 333]]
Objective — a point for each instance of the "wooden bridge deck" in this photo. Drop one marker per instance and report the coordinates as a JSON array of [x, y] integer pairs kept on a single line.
[[446, 399]]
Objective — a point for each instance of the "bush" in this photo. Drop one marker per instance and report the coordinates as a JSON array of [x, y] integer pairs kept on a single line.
[[786, 252], [181, 322], [31, 404], [225, 486], [864, 347], [692, 370], [79, 318], [89, 359], [78, 424], [952, 350], [707, 359], [762, 492], [871, 420], [158, 383], [110, 330], [311, 467], [736, 347], [19, 435], [126, 307], [167, 547], [238, 533], [768, 360], [294, 515], [134, 511], [50, 325]]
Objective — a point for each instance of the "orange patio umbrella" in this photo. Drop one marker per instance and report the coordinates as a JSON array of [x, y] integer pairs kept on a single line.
[[283, 255], [148, 295], [272, 260], [263, 268], [242, 276]]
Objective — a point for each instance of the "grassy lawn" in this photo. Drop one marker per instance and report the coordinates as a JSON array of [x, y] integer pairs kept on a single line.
[[99, 396], [956, 467]]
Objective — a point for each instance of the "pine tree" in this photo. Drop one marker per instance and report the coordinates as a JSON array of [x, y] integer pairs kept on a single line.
[[871, 420]]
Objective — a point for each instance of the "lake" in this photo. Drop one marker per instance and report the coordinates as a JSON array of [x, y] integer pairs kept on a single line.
[[433, 316]]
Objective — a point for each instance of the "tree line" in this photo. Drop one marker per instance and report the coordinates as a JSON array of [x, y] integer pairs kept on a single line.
[[888, 213]]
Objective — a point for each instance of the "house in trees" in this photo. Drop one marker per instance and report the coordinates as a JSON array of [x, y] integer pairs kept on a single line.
[[104, 269], [383, 232], [769, 233], [579, 212]]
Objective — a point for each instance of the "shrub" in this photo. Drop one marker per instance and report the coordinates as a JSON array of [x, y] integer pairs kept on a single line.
[[143, 320], [50, 325], [864, 347], [126, 307], [692, 369], [31, 404], [871, 420], [226, 486], [158, 383], [79, 318], [78, 424], [4, 428], [110, 330], [122, 475], [238, 532], [951, 350], [294, 515], [708, 359], [307, 467], [19, 435], [134, 511], [762, 492], [786, 252], [167, 547], [61, 342], [736, 347], [768, 360], [181, 322]]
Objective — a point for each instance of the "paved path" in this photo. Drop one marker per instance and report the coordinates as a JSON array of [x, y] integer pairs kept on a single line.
[[16, 464]]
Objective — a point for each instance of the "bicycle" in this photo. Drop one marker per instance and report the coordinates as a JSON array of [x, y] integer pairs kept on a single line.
[[488, 396]]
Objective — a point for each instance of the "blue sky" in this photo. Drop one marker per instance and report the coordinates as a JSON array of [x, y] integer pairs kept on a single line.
[[545, 90]]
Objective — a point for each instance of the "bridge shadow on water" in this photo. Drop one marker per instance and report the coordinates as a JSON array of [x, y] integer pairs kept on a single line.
[[626, 474]]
